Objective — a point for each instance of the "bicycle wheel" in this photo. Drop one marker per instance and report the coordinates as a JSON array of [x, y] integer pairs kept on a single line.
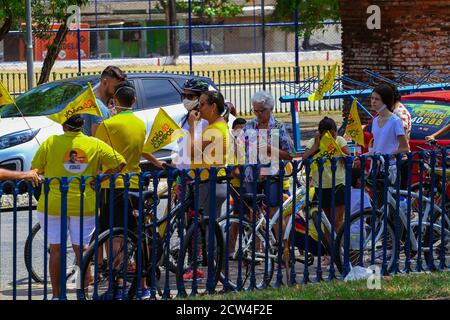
[[34, 255], [187, 262], [174, 249], [262, 279], [371, 248], [113, 273], [437, 246]]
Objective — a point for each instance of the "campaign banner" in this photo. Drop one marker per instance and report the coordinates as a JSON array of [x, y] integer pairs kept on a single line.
[[428, 117]]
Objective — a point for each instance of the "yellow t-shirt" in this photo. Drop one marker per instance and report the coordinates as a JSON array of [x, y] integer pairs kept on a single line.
[[238, 158], [125, 133], [216, 153], [327, 174], [72, 154]]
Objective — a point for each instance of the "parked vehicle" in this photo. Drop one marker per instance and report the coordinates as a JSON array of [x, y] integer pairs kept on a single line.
[[20, 136], [198, 47]]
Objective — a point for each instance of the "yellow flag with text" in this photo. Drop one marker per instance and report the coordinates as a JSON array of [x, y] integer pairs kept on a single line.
[[328, 149], [325, 85], [164, 131], [353, 128], [85, 103], [5, 98]]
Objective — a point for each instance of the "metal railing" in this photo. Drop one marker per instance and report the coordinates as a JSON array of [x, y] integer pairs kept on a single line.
[[168, 245]]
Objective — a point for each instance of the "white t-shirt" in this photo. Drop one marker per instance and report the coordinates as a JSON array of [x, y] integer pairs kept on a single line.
[[356, 201], [385, 139], [183, 160]]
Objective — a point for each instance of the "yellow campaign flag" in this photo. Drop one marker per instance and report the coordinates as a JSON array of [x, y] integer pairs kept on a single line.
[[325, 85], [85, 103], [353, 128], [328, 149], [5, 98], [164, 131]]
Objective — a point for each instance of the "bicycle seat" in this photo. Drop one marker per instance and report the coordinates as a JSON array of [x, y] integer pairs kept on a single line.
[[134, 197], [248, 198]]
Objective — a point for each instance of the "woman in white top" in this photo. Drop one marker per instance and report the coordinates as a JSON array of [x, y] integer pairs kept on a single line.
[[387, 129]]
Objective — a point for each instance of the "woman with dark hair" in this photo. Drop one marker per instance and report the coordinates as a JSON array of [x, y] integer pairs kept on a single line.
[[387, 129], [209, 150], [312, 147]]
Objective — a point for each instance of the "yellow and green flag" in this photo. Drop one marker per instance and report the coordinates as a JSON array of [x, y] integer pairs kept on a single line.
[[328, 149], [164, 131], [85, 103], [5, 98], [325, 85], [353, 128]]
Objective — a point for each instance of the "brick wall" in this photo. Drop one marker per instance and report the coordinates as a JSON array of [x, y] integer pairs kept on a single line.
[[413, 35]]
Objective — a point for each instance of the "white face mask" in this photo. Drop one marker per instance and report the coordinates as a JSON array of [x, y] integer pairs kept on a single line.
[[190, 104], [382, 108]]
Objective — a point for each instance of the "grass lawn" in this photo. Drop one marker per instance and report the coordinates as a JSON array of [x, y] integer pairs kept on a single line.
[[413, 286]]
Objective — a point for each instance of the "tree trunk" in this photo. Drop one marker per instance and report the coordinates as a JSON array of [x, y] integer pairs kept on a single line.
[[6, 25], [52, 53], [171, 14], [305, 44]]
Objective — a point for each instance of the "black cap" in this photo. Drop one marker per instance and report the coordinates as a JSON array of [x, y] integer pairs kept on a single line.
[[75, 121]]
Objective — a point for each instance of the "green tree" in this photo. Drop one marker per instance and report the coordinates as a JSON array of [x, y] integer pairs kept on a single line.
[[11, 14], [212, 8], [45, 14], [209, 9], [311, 14]]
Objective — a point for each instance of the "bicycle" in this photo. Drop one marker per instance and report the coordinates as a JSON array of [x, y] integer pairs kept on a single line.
[[255, 253], [141, 255], [380, 231], [34, 244]]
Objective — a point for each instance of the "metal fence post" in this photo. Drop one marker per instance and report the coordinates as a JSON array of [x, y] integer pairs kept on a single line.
[[210, 285], [64, 188], [348, 183]]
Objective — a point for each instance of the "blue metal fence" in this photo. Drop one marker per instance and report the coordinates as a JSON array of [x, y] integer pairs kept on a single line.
[[176, 248]]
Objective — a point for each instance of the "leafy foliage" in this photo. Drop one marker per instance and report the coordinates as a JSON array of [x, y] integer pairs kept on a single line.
[[212, 8], [311, 13]]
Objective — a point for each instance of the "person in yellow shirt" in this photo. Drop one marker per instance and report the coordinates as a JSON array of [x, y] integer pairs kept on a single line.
[[312, 147], [125, 133], [209, 150], [55, 158]]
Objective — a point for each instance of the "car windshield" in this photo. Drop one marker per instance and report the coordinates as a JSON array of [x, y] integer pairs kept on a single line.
[[46, 99]]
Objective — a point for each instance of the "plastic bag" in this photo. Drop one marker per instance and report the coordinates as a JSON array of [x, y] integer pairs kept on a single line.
[[358, 273]]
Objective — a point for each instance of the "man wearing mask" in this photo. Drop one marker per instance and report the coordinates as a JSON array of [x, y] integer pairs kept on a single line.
[[192, 90], [110, 78]]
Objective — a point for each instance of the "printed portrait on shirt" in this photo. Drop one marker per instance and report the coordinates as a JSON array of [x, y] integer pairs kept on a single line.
[[75, 160]]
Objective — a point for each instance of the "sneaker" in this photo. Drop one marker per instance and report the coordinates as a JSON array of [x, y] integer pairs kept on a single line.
[[189, 275], [55, 298], [119, 293], [145, 295]]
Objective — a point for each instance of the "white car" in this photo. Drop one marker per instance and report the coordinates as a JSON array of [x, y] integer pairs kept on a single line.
[[19, 143]]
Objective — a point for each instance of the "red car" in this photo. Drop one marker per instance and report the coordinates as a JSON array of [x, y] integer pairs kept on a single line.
[[430, 111]]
